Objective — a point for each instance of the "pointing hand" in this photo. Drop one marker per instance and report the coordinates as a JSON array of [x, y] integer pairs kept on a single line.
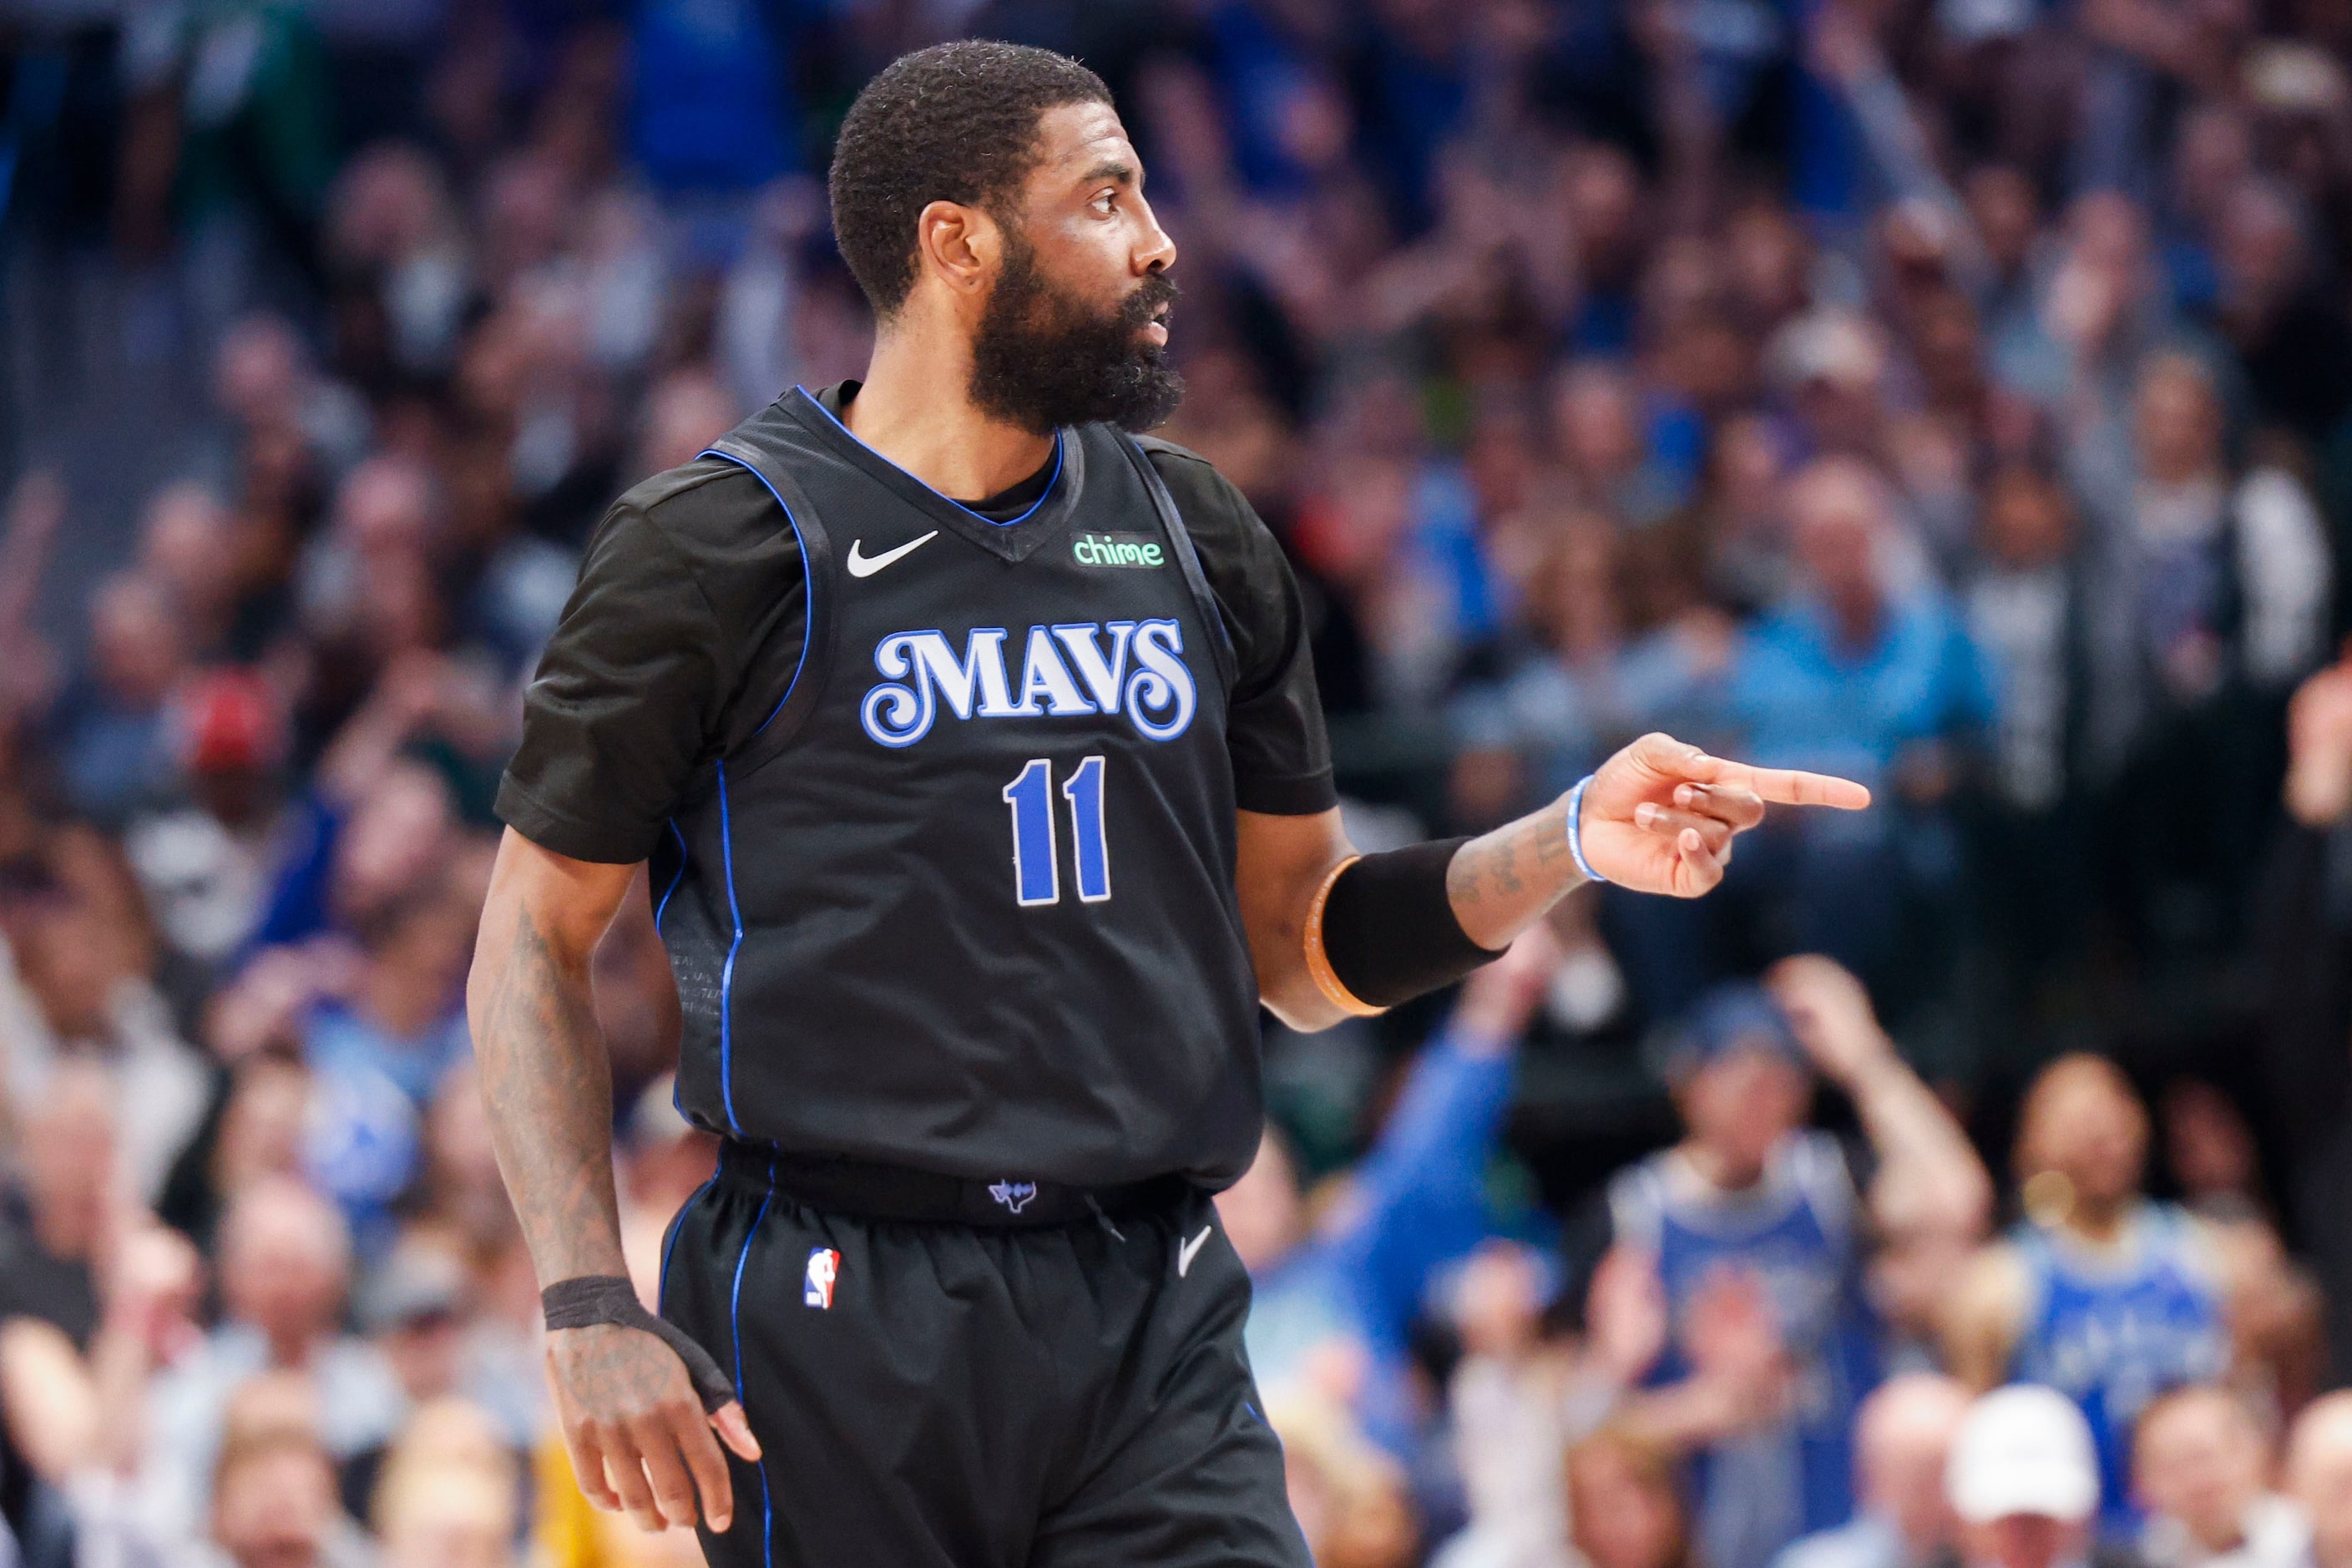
[[1660, 815]]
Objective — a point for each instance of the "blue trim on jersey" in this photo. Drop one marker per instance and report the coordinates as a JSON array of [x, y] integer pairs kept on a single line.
[[669, 1244], [677, 877], [727, 974], [808, 588], [1010, 522], [735, 1328]]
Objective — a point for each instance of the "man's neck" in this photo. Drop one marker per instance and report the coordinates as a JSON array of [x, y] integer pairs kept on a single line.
[[404, 1003], [1858, 622], [1721, 1171], [2102, 1223], [913, 409]]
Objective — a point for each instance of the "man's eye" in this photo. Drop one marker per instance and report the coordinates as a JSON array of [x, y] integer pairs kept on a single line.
[[1103, 202]]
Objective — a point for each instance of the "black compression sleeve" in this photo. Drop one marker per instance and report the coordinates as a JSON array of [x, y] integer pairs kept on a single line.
[[1388, 929], [592, 1298]]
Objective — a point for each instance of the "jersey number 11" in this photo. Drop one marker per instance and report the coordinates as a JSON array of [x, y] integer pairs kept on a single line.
[[1036, 857]]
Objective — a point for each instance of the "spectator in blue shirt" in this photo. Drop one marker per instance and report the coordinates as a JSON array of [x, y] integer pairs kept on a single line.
[[380, 1054], [113, 746], [712, 109], [1856, 669], [1753, 1219], [1863, 671]]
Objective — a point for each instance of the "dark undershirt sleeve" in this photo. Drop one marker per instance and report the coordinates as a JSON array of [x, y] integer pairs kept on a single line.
[[630, 686], [1281, 755]]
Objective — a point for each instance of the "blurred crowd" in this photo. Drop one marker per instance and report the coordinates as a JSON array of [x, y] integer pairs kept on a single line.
[[1956, 394]]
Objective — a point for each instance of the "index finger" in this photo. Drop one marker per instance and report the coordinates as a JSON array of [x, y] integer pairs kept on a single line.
[[1783, 786]]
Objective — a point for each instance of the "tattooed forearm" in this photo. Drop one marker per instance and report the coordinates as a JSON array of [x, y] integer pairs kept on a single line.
[[1502, 883], [548, 1089]]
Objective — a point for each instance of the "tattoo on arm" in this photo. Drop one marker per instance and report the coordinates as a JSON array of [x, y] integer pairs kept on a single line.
[[1480, 869], [1462, 877], [1502, 883], [550, 1092]]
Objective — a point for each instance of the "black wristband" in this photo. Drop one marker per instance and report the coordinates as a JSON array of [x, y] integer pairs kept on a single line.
[[1390, 933], [592, 1298]]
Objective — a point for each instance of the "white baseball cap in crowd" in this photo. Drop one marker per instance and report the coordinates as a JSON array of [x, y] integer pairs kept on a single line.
[[2024, 1449]]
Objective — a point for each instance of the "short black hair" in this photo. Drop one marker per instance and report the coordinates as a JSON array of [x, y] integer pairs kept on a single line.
[[955, 123]]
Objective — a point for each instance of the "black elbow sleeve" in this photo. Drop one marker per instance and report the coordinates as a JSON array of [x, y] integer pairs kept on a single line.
[[1390, 933]]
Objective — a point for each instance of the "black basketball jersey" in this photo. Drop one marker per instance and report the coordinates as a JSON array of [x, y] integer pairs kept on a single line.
[[964, 900]]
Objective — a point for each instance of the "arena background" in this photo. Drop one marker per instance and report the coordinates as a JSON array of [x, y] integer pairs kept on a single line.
[[1953, 394]]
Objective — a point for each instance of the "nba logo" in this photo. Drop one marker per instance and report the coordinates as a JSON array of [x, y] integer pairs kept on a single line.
[[823, 1268]]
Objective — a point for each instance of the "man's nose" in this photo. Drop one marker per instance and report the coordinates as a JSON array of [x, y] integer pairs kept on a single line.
[[1156, 253]]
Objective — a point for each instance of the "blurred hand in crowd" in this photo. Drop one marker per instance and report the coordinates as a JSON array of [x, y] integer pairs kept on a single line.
[[1832, 1014], [1626, 1322], [2319, 746], [1931, 1199], [1732, 1340], [2271, 1309], [262, 1010], [154, 1288], [1500, 1000], [1737, 1372], [2319, 1476]]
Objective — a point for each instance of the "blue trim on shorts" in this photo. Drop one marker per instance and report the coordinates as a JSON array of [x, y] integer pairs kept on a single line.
[[735, 1328], [670, 1245], [677, 877]]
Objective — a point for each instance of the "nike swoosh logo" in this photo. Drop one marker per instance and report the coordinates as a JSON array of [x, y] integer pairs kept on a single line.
[[1186, 1250], [867, 565]]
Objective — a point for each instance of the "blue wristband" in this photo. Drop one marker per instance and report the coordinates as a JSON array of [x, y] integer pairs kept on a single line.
[[1576, 830]]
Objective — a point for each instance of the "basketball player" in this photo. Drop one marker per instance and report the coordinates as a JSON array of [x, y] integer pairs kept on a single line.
[[974, 751]]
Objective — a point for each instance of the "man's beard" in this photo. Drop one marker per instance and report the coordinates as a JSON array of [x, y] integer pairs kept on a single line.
[[1043, 360]]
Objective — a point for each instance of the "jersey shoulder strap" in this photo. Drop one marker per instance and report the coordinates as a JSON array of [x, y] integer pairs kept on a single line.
[[1637, 1207], [1136, 448], [776, 731], [1818, 1164]]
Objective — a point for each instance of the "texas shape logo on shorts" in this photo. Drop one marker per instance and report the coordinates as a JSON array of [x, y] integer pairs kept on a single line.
[[1013, 1196], [823, 1268]]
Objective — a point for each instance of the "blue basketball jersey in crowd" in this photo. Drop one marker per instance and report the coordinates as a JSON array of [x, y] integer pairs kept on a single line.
[[2113, 1329], [1795, 1231]]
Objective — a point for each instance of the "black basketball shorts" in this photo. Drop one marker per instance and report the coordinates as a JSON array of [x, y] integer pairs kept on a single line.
[[944, 1396]]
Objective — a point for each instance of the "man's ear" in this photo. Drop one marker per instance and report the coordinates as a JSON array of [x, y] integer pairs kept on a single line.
[[959, 246]]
